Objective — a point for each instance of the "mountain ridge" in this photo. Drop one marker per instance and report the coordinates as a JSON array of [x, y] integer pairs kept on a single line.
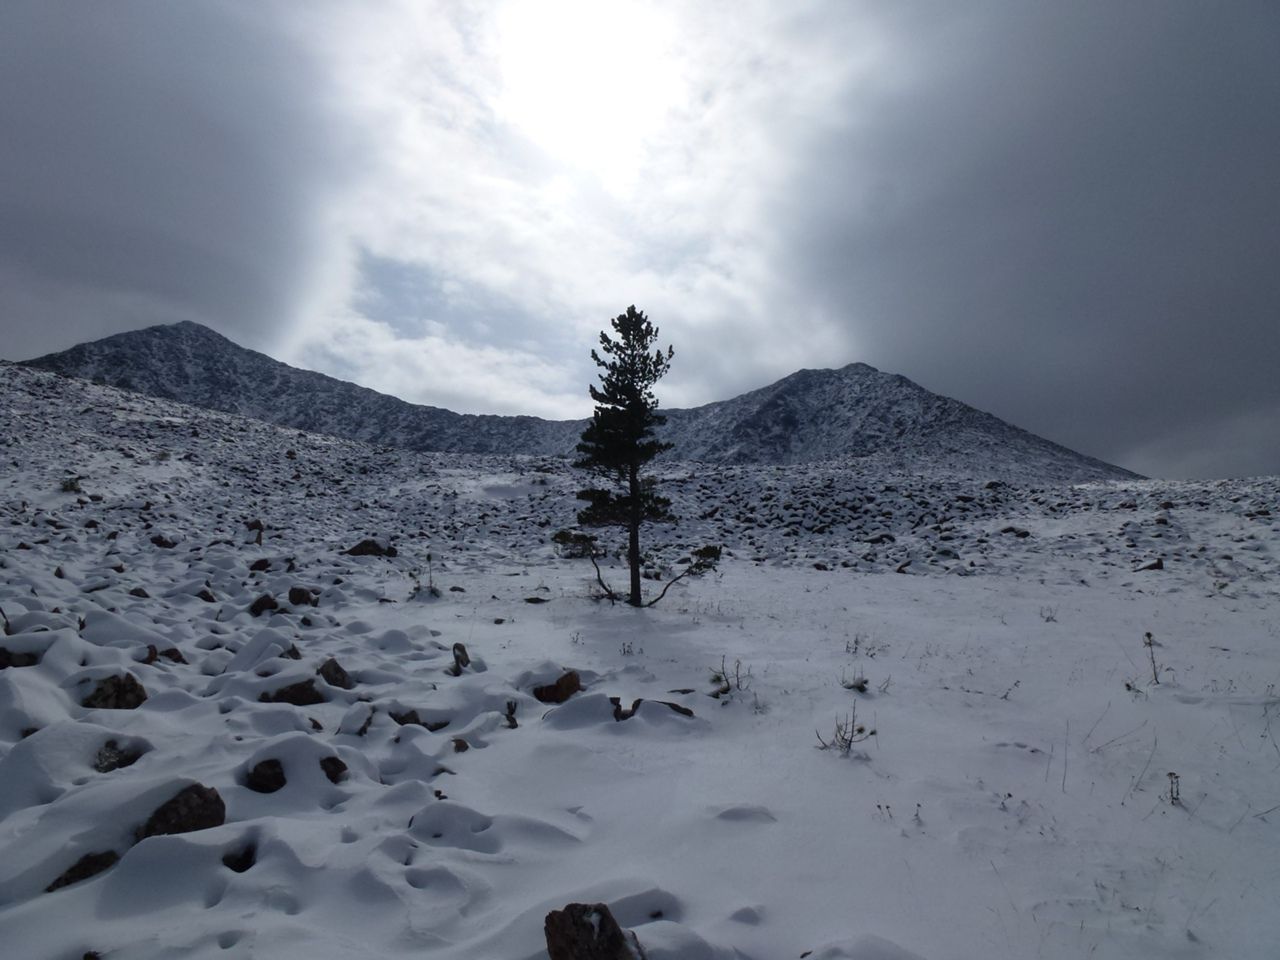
[[854, 412]]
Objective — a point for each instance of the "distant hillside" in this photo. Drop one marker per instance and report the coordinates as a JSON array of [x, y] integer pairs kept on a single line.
[[854, 413]]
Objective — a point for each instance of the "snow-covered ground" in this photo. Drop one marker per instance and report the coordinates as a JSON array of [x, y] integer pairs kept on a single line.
[[1015, 801]]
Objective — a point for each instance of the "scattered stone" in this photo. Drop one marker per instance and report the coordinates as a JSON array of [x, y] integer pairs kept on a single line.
[[90, 865], [588, 931], [1156, 564], [411, 718], [241, 860], [262, 604], [566, 686], [206, 595], [332, 673], [266, 777], [536, 600], [457, 590], [195, 807], [163, 542], [172, 654], [119, 692], [111, 756], [140, 593], [334, 769], [371, 548], [300, 596], [259, 565], [461, 659], [460, 745], [11, 659], [300, 694], [620, 714]]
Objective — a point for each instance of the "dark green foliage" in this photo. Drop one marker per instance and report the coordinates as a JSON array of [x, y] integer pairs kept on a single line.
[[620, 441]]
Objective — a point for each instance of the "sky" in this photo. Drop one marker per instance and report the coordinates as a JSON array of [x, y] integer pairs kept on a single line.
[[1065, 214]]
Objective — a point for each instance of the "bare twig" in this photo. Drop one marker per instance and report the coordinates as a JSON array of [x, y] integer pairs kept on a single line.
[[1103, 746], [1085, 741], [1154, 740]]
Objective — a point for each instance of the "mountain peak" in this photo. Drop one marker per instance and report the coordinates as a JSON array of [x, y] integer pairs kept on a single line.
[[854, 412]]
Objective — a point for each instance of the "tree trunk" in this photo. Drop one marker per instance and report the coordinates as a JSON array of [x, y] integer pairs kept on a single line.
[[633, 529]]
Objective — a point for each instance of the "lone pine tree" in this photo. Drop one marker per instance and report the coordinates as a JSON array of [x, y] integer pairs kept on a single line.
[[619, 441]]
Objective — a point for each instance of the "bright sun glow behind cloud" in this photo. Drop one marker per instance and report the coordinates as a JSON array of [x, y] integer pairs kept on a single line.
[[587, 82]]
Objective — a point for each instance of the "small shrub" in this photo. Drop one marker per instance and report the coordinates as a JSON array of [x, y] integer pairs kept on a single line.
[[71, 485]]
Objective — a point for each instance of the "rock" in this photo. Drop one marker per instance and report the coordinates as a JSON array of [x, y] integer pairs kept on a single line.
[[566, 686], [206, 595], [588, 931], [1156, 564], [262, 604], [119, 692], [266, 777], [195, 807], [111, 756], [140, 593], [90, 865], [163, 542], [171, 654], [536, 600], [332, 673], [460, 745], [411, 718], [620, 714], [334, 769], [300, 596], [371, 548], [238, 861], [259, 565], [461, 659], [10, 659], [300, 694]]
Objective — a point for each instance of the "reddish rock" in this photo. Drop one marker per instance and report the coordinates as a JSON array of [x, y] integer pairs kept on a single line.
[[566, 686], [119, 692], [588, 931]]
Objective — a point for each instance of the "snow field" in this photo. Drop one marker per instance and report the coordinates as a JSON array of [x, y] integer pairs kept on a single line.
[[1014, 802]]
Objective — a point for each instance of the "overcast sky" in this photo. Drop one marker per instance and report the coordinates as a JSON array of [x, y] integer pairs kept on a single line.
[[1067, 214]]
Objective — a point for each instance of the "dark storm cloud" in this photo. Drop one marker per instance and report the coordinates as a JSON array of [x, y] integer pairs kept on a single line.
[[160, 161], [1067, 214]]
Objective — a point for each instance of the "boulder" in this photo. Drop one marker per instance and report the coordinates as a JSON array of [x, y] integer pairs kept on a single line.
[[195, 807], [111, 756], [263, 604], [332, 673], [118, 692], [371, 548], [301, 596], [266, 777], [300, 694], [334, 769], [90, 865], [566, 686], [588, 931], [11, 659]]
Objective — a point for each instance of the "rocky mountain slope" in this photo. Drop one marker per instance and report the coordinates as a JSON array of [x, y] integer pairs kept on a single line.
[[854, 413]]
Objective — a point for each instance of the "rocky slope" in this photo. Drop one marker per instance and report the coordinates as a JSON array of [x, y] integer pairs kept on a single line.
[[854, 413]]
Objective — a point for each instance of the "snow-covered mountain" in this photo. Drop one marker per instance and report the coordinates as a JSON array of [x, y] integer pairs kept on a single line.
[[853, 413]]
